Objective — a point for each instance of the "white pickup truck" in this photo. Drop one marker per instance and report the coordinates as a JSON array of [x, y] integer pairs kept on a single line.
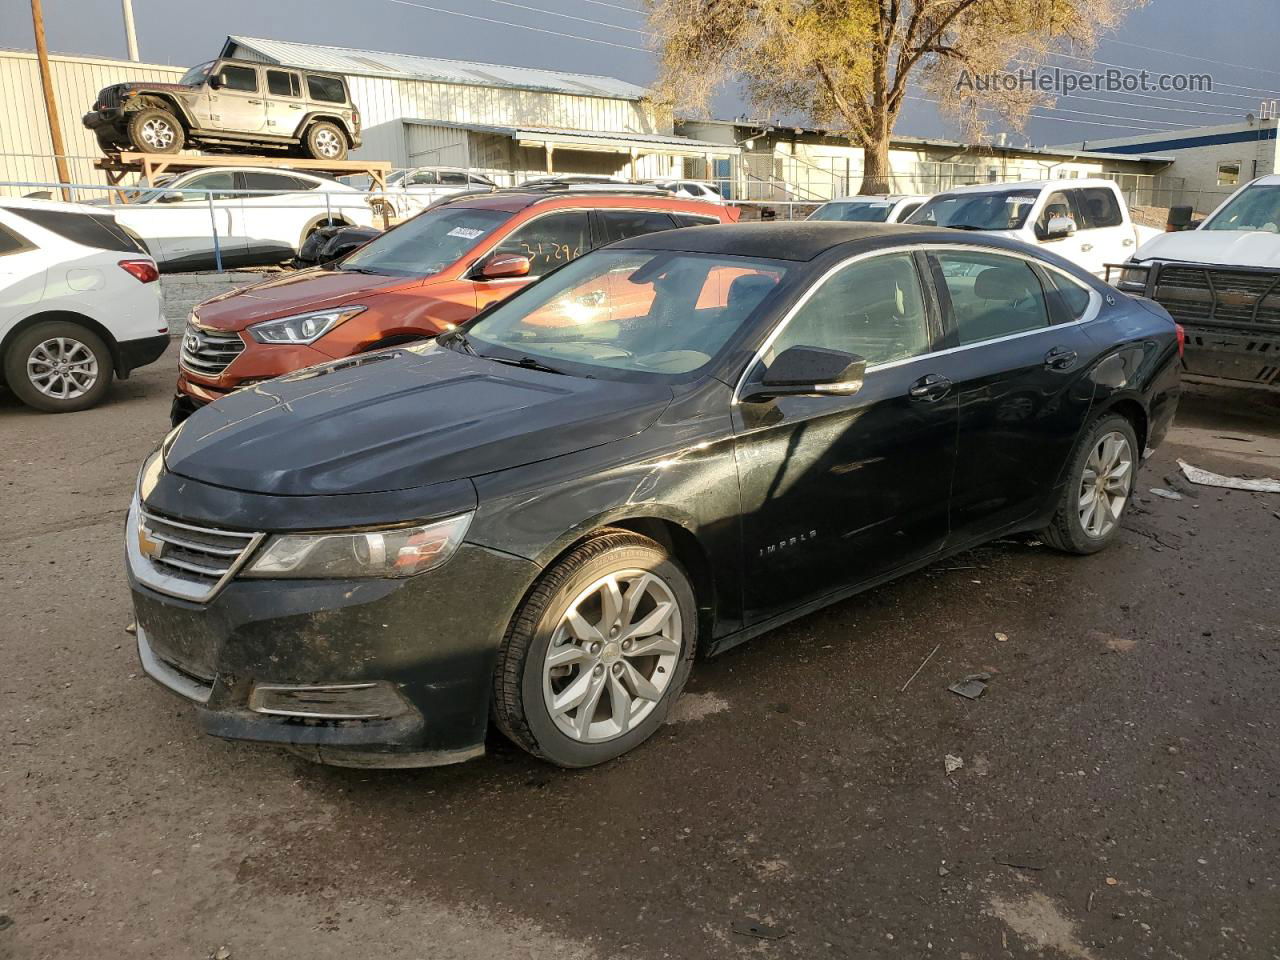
[[1084, 221], [1221, 281]]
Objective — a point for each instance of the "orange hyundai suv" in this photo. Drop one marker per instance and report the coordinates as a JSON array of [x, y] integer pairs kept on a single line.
[[442, 267]]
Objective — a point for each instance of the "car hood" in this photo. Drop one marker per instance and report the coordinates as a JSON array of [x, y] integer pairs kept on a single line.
[[402, 418], [299, 292], [1234, 248]]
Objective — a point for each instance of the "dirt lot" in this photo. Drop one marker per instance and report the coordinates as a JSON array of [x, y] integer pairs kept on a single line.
[[1119, 794]]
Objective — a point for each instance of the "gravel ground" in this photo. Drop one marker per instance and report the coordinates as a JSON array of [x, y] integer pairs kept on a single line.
[[1118, 797]]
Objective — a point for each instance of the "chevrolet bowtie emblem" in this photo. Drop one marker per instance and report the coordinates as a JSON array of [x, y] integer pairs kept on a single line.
[[148, 546]]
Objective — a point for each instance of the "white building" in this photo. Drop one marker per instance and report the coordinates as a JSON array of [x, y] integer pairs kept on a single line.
[[1210, 162]]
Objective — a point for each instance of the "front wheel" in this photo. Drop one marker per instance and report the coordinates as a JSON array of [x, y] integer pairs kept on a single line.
[[155, 131], [58, 367], [1100, 482], [598, 652], [326, 141]]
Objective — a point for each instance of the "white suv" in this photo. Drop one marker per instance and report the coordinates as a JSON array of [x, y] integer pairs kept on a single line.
[[79, 303], [1084, 221]]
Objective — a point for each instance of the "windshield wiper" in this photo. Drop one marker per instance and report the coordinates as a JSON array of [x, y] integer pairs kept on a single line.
[[528, 363], [365, 270], [964, 226], [460, 338]]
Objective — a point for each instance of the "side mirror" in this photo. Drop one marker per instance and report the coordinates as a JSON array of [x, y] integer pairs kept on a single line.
[[810, 372], [173, 196], [1179, 219], [217, 81], [1059, 228], [502, 266]]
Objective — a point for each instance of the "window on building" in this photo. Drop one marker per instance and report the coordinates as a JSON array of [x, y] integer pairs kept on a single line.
[[992, 295], [240, 78], [326, 89], [1229, 174]]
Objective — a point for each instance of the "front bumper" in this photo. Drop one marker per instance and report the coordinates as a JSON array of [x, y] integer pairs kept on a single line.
[[422, 648], [110, 119]]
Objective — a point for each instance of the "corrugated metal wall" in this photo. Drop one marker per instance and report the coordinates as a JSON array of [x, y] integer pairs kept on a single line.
[[25, 147], [431, 146]]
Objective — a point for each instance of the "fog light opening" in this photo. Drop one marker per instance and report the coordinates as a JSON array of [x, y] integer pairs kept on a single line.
[[332, 701]]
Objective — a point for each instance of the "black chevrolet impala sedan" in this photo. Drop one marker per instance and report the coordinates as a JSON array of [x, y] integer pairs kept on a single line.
[[660, 450]]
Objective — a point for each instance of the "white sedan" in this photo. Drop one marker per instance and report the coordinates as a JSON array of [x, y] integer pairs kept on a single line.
[[882, 208], [412, 191], [260, 215], [79, 303]]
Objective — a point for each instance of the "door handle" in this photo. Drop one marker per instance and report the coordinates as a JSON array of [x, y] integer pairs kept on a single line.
[[1060, 358], [295, 106], [1127, 242], [1086, 247], [253, 101], [930, 388]]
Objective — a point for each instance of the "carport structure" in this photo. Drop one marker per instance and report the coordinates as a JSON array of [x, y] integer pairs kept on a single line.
[[508, 152]]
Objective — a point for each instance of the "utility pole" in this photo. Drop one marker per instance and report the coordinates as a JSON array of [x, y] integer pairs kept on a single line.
[[130, 35], [50, 107]]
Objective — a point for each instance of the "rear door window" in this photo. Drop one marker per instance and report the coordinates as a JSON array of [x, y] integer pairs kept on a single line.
[[275, 182], [99, 231], [620, 224], [326, 89], [991, 295], [10, 242], [282, 83], [1073, 299]]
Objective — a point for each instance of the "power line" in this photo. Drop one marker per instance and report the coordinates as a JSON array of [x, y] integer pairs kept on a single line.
[[1147, 96], [1188, 56], [616, 6], [569, 16], [1131, 67], [1131, 123], [519, 26]]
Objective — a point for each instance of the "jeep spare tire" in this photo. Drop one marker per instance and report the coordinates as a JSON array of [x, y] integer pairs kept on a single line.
[[326, 141], [154, 130]]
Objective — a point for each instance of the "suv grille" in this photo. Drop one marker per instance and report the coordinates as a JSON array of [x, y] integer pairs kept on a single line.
[[181, 559], [110, 96], [1223, 296], [208, 353]]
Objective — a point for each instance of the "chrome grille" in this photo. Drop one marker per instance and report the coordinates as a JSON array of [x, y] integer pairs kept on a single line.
[[181, 559], [208, 352]]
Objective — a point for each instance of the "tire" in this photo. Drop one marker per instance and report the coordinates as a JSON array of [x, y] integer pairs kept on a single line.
[[154, 130], [87, 378], [1109, 442], [523, 683], [325, 141]]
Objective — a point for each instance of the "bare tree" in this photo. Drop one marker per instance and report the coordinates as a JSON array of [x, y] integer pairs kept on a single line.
[[849, 65]]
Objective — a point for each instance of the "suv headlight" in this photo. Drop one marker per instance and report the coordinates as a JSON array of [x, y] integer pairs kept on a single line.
[[394, 552], [303, 327]]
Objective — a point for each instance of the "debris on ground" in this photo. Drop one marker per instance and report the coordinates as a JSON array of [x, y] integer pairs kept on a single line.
[[1002, 637], [972, 686], [1166, 494], [761, 931], [1207, 478], [1017, 864], [131, 628], [6, 921], [952, 763], [222, 953], [919, 668]]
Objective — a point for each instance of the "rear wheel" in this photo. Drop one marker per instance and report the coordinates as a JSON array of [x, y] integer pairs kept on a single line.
[[154, 130], [58, 367], [326, 141], [597, 653], [1099, 485]]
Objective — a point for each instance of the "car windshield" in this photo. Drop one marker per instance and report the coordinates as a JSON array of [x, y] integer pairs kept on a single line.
[[628, 314], [1254, 208], [426, 244], [861, 211], [197, 74], [985, 210]]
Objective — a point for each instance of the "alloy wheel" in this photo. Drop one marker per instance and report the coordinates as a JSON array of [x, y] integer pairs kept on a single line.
[[62, 368], [326, 143], [1105, 484], [158, 134], [612, 656]]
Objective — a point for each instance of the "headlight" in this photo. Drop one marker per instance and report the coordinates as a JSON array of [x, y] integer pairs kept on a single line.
[[303, 328], [1134, 277], [395, 552]]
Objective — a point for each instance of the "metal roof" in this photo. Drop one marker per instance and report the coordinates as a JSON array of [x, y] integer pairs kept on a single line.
[[376, 63], [620, 139]]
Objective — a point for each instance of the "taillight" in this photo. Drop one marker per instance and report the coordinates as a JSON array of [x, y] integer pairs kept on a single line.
[[143, 270], [1182, 339], [355, 118]]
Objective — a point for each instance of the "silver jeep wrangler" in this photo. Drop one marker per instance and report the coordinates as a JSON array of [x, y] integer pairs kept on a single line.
[[231, 104]]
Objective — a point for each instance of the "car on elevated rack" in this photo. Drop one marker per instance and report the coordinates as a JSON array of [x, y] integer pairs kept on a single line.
[[416, 280], [661, 449], [259, 215], [79, 303], [230, 105]]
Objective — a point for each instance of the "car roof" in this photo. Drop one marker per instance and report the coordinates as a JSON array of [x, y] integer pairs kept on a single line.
[[881, 197], [513, 200], [1031, 185], [799, 240]]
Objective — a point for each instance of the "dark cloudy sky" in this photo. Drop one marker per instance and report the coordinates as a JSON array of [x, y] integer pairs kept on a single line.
[[1233, 39]]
